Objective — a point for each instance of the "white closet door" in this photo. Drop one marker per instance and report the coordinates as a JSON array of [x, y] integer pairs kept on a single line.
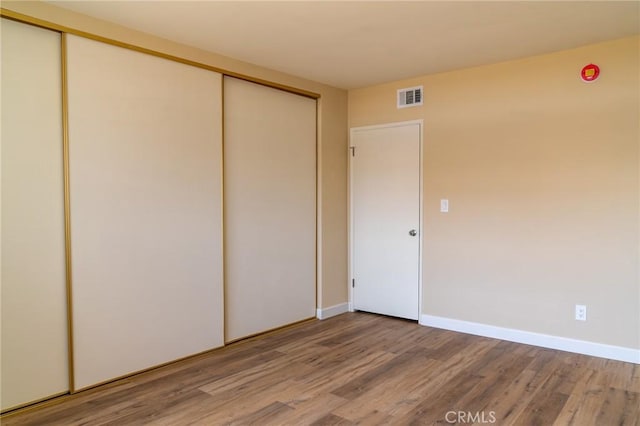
[[146, 212], [34, 308], [270, 207]]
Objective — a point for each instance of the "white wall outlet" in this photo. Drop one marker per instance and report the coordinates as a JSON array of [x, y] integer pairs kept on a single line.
[[581, 313], [444, 206]]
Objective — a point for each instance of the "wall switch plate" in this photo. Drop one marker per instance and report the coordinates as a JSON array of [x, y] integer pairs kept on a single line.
[[581, 313], [444, 206]]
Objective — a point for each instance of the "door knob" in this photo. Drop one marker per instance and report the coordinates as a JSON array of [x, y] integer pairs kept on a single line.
[[413, 232]]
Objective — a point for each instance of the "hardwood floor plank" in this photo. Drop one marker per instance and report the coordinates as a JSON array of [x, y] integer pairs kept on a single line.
[[635, 379], [424, 380], [270, 414], [451, 347], [401, 386], [398, 365], [619, 408], [361, 369], [231, 404], [276, 369], [481, 398], [374, 418], [151, 411], [513, 400], [542, 411], [619, 375], [309, 409], [332, 375], [545, 363], [434, 408], [331, 420], [574, 407]]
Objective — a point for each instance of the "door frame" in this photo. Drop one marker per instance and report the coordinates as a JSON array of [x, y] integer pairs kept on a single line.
[[350, 232]]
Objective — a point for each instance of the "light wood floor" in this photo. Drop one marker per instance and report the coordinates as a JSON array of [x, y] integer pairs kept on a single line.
[[363, 369]]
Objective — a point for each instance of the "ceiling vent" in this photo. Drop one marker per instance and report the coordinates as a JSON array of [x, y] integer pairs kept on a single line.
[[411, 96]]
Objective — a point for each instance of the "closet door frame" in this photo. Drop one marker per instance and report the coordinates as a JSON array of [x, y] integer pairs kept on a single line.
[[63, 30], [65, 230], [235, 321]]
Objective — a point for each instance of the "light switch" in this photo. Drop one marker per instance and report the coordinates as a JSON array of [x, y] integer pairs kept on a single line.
[[444, 206]]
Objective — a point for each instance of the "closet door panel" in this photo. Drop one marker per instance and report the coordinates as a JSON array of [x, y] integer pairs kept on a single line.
[[146, 210], [270, 208], [34, 309]]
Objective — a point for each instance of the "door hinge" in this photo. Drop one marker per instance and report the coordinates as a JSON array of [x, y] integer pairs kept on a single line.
[[353, 151], [353, 282]]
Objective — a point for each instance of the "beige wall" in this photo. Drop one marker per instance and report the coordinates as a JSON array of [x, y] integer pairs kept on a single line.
[[332, 130], [541, 172], [332, 160]]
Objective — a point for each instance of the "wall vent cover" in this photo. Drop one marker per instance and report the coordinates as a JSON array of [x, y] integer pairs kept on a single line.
[[411, 96]]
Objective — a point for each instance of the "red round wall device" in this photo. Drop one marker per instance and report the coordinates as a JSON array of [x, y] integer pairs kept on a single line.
[[590, 72]]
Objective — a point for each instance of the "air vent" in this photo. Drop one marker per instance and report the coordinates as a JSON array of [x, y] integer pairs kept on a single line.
[[411, 96]]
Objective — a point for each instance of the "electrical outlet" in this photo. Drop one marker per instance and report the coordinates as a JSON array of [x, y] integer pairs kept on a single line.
[[581, 313]]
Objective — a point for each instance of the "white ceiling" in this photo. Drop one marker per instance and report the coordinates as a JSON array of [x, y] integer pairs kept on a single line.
[[360, 43]]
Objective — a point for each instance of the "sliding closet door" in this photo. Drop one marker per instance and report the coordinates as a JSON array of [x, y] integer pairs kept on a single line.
[[34, 308], [146, 211], [270, 207]]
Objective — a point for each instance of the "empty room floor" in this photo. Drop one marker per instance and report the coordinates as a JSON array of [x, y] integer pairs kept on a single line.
[[360, 368]]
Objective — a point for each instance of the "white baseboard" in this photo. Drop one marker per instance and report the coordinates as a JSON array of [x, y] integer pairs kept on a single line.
[[601, 350], [332, 311]]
